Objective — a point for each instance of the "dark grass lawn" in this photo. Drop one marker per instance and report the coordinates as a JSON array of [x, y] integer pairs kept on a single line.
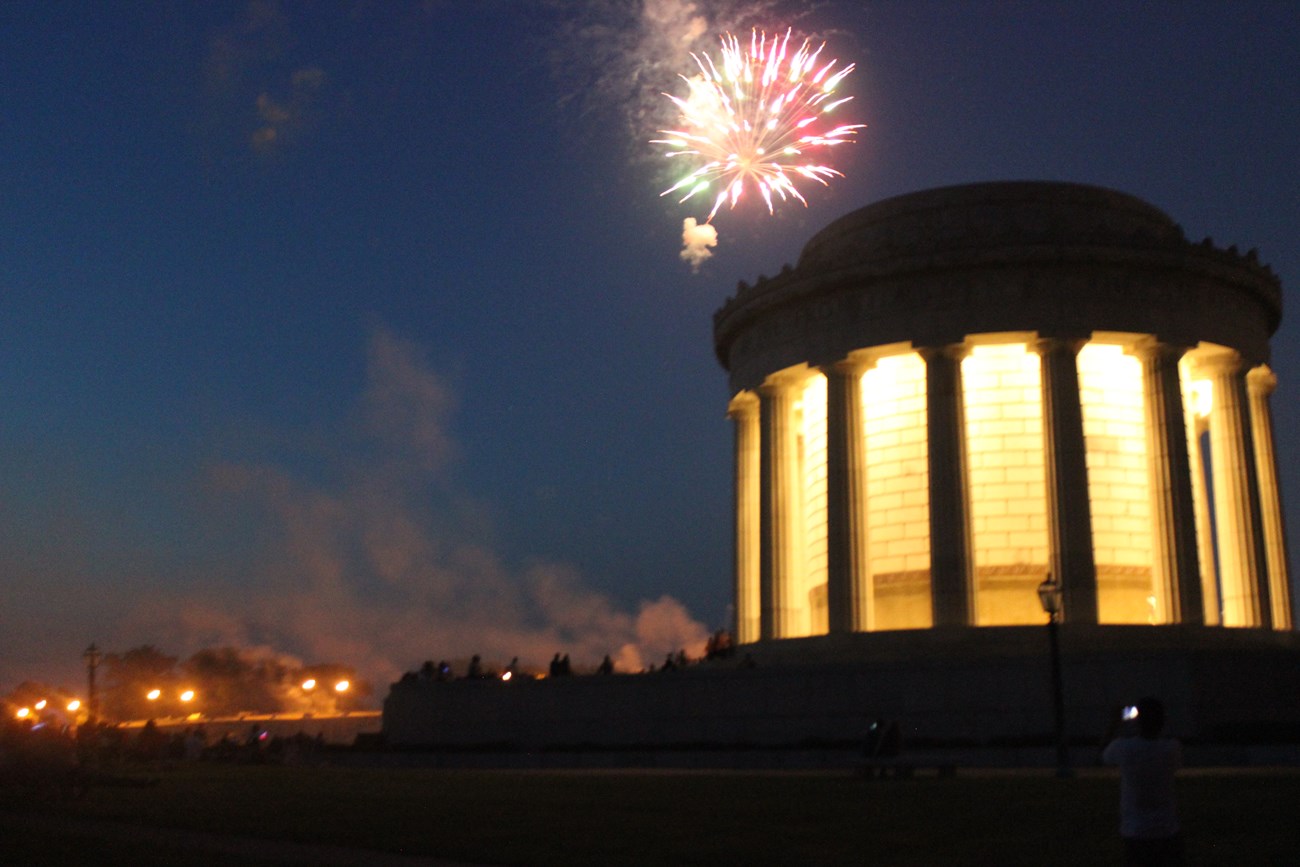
[[648, 818]]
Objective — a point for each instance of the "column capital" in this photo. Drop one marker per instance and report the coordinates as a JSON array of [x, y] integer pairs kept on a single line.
[[850, 366], [742, 405], [1261, 380], [1049, 345], [949, 351], [781, 382], [1151, 347], [1219, 363]]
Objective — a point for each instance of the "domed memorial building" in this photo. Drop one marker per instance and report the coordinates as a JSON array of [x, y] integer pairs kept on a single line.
[[957, 400], [961, 393]]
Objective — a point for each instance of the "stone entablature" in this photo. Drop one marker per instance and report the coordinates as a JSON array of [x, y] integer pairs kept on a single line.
[[934, 266]]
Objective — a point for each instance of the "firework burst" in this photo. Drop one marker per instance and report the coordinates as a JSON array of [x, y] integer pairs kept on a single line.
[[753, 118]]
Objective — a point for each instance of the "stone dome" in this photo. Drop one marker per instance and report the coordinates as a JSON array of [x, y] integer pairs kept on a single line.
[[984, 217]]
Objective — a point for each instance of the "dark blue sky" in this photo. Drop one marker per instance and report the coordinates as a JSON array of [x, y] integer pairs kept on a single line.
[[357, 330]]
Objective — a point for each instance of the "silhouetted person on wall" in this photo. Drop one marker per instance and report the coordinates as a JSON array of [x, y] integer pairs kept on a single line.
[[475, 668], [555, 666], [1147, 763], [606, 666]]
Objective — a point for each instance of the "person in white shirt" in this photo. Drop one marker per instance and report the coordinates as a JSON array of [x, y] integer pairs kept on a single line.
[[1147, 764]]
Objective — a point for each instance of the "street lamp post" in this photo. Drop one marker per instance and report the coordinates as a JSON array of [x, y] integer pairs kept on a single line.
[[92, 657], [1049, 596]]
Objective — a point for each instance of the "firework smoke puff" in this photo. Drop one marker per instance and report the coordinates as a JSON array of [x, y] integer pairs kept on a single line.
[[696, 241], [753, 118]]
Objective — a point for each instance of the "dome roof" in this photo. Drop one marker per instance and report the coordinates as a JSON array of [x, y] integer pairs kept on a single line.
[[987, 216], [934, 267]]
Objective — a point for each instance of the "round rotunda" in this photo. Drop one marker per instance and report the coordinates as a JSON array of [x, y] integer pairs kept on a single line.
[[959, 393]]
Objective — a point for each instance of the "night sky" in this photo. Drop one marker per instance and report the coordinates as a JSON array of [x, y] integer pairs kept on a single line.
[[358, 332]]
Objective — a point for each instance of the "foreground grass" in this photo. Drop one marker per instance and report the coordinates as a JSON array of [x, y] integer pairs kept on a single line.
[[631, 818]]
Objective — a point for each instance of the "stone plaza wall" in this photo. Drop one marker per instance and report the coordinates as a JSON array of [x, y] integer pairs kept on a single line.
[[945, 687]]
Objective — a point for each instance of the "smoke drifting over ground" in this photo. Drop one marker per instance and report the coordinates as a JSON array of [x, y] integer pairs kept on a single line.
[[379, 562]]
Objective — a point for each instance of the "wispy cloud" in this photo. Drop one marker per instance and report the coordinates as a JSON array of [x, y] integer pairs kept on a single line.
[[254, 87]]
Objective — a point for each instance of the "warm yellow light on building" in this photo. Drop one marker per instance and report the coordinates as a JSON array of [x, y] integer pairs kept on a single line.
[[1002, 391], [309, 684], [811, 425], [74, 706], [1119, 485], [23, 712], [187, 695], [898, 492], [342, 686], [153, 694], [40, 705], [1202, 398]]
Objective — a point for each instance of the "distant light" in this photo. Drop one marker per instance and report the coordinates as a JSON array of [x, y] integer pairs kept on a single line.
[[309, 683], [507, 675], [187, 695], [74, 705], [24, 712], [342, 686], [153, 694], [40, 705]]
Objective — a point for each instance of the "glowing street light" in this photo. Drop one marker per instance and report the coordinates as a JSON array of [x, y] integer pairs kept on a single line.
[[74, 705], [153, 694], [342, 686], [24, 712], [40, 705], [309, 684], [187, 695]]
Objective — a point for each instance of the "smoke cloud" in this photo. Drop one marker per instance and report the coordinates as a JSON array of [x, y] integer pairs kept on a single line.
[[697, 238], [377, 560], [613, 55]]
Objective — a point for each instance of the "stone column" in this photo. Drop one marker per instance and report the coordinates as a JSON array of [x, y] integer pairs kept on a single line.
[[743, 411], [1069, 512], [1243, 575], [1260, 383], [778, 506], [1204, 526], [848, 575], [951, 550], [1173, 507]]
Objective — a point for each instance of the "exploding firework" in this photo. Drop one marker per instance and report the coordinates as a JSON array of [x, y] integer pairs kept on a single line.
[[753, 118]]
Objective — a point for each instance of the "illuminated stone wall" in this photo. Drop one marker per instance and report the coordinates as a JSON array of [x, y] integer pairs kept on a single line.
[[1004, 442], [812, 473], [898, 495], [1006, 476], [1119, 485]]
